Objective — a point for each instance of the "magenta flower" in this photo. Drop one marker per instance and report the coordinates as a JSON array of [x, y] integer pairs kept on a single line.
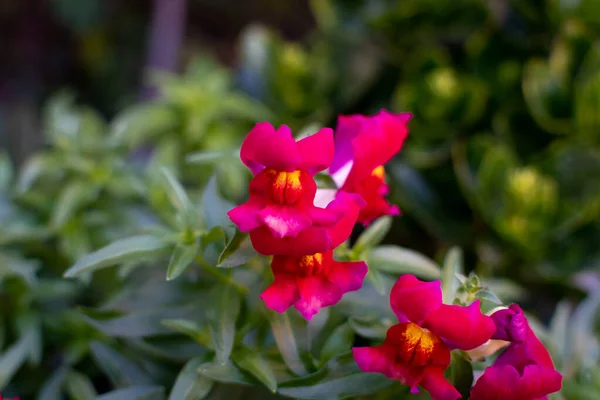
[[363, 144], [417, 350], [524, 371]]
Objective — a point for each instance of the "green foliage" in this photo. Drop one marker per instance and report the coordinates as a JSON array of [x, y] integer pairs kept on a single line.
[[121, 276]]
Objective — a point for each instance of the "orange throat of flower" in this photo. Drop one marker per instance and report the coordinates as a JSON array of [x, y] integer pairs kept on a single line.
[[286, 186], [419, 347], [310, 265]]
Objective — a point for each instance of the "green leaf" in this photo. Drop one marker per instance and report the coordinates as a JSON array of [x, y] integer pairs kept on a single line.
[[452, 267], [179, 198], [145, 392], [222, 319], [35, 167], [73, 197], [373, 235], [193, 329], [286, 341], [368, 328], [128, 249], [341, 381], [52, 388], [142, 122], [559, 327], [340, 341], [253, 363], [182, 257], [79, 386], [190, 385], [215, 207], [120, 371], [398, 260], [460, 373], [6, 171], [226, 373], [237, 252], [13, 358], [211, 157]]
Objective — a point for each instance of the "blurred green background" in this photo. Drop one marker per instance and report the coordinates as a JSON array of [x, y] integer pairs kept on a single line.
[[503, 159]]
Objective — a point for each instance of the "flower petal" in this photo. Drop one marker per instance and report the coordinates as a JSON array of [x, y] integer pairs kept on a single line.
[[374, 359], [325, 217], [348, 276], [266, 147], [284, 220], [531, 351], [461, 327], [412, 299], [438, 386], [538, 381], [349, 206], [323, 197], [511, 324], [380, 137], [246, 216], [496, 383], [310, 241], [281, 294], [316, 292], [317, 151]]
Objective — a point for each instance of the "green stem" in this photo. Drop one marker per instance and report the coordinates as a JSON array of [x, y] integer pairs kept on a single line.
[[214, 271]]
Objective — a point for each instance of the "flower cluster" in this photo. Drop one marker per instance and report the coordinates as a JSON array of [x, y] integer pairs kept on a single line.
[[416, 351], [300, 226]]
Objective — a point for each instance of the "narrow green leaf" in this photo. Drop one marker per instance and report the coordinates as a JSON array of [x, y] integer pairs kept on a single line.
[[215, 207], [237, 252], [80, 387], [452, 266], [121, 371], [372, 329], [339, 342], [14, 357], [52, 388], [6, 171], [226, 373], [210, 157], [559, 327], [182, 257], [128, 249], [398, 260], [460, 373], [373, 235], [286, 341], [142, 122], [176, 193], [145, 392], [73, 197], [223, 317], [190, 385], [253, 363]]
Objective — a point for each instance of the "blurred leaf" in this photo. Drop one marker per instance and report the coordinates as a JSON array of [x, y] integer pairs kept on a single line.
[[79, 386], [142, 122], [6, 171], [237, 252], [372, 329], [121, 371], [452, 267], [179, 198], [215, 207], [52, 388], [193, 329], [123, 250], [183, 255], [228, 373], [71, 198], [253, 363], [559, 327], [190, 385], [340, 341], [373, 235], [222, 320], [35, 167], [211, 157], [145, 392], [398, 260], [347, 381], [286, 341], [14, 357], [460, 373]]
